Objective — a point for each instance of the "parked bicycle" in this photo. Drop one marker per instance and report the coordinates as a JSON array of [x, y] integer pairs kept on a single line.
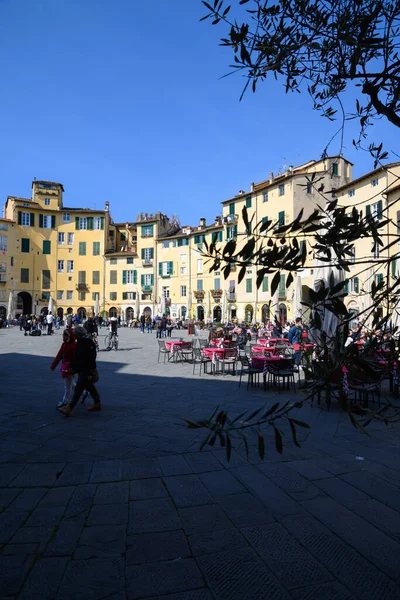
[[111, 341]]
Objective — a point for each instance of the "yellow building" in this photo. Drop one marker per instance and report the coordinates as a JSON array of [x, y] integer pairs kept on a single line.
[[7, 258], [58, 252]]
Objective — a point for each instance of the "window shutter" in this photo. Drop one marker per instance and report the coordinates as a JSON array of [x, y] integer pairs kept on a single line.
[[142, 253], [142, 280], [265, 284], [282, 285], [46, 247], [160, 268], [135, 277], [32, 220], [40, 220], [232, 208], [281, 218], [76, 222], [368, 210], [346, 287], [394, 267], [151, 253], [90, 223], [25, 244], [235, 231], [101, 222], [380, 278], [249, 286], [196, 239], [19, 217], [398, 221], [179, 242], [380, 209], [171, 267], [124, 277], [53, 222], [152, 279], [356, 285]]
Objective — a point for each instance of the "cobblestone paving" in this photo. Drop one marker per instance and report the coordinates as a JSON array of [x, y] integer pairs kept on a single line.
[[121, 505]]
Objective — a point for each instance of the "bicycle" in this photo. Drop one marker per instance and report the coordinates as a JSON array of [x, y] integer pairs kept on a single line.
[[93, 337], [111, 341]]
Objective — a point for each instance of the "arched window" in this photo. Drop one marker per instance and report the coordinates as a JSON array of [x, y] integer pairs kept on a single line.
[[113, 312], [248, 313], [200, 313], [217, 314]]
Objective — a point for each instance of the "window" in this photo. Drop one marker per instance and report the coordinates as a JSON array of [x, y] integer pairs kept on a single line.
[[352, 256], [45, 295], [25, 219], [183, 257], [60, 294], [335, 169], [25, 245], [181, 242], [353, 285], [232, 208], [61, 239], [231, 232], [147, 253], [82, 277], [129, 277], [3, 243], [71, 239], [69, 294], [217, 284], [199, 239], [165, 292], [113, 295], [46, 247], [282, 189], [248, 202], [281, 218], [265, 284], [70, 266], [4, 226], [379, 278], [351, 193], [265, 196], [60, 266], [199, 265], [3, 267], [165, 244], [82, 248], [375, 182], [148, 279], [183, 291], [249, 286], [375, 250], [82, 296], [12, 261], [97, 224], [183, 270], [47, 201], [165, 269], [96, 248], [216, 236], [147, 230], [46, 279], [24, 275], [113, 277], [309, 187], [47, 221], [95, 277], [199, 285], [94, 296], [82, 223], [128, 295], [113, 261], [129, 261], [377, 210], [282, 286], [66, 218]]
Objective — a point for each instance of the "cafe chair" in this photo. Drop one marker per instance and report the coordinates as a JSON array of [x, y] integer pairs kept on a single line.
[[200, 359], [162, 350]]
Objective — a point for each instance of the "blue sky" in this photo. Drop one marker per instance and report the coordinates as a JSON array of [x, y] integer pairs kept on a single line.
[[123, 101]]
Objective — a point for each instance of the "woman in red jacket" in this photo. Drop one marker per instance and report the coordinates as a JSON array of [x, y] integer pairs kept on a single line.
[[66, 355]]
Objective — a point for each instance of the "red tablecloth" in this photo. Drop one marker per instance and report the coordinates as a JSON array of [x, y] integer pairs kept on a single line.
[[262, 349], [305, 346], [209, 352], [259, 361], [169, 345]]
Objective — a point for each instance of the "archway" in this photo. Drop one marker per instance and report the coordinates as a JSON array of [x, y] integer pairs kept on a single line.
[[147, 311], [3, 312], [129, 313], [24, 303], [183, 312], [232, 312], [69, 311], [44, 311], [113, 312], [82, 313], [248, 313], [266, 312], [217, 314], [60, 313], [282, 314], [200, 313]]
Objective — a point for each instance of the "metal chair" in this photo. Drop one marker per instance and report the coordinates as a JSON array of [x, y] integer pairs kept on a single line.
[[200, 359], [281, 371], [162, 350], [228, 359], [248, 369], [186, 350]]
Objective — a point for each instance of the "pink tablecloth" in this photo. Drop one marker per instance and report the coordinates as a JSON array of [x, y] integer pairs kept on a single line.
[[169, 345], [262, 349], [209, 352], [305, 346], [259, 361]]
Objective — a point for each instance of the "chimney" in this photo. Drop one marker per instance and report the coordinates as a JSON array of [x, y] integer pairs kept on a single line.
[[107, 206], [218, 220], [202, 222], [271, 177], [252, 187]]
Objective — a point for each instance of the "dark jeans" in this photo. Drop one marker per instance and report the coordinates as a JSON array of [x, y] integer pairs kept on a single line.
[[49, 328], [169, 332], [84, 383], [142, 327]]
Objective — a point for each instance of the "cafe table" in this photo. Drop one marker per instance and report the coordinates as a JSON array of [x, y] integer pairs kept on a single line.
[[174, 347]]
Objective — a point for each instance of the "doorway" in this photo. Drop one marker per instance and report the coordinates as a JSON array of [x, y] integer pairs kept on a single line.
[[24, 303], [200, 313], [282, 314]]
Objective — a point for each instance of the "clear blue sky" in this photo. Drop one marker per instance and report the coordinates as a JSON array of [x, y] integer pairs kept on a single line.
[[122, 100]]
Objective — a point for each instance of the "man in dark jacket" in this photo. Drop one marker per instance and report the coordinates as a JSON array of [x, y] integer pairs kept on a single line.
[[84, 364]]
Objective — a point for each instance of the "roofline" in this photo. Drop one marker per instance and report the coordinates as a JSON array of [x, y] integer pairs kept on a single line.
[[48, 183], [367, 175]]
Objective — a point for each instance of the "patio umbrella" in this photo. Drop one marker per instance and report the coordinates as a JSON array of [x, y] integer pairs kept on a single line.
[[10, 306], [275, 305], [137, 306], [51, 305], [296, 305], [223, 318], [207, 307], [162, 304], [97, 305]]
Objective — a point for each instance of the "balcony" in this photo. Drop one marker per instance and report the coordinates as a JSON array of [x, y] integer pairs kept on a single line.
[[231, 296], [216, 293], [199, 294], [231, 219], [147, 262], [3, 278], [147, 288], [167, 302], [82, 287]]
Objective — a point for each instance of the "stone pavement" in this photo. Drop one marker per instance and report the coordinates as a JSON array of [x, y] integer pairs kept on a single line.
[[121, 505]]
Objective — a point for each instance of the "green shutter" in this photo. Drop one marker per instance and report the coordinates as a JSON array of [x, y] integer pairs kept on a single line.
[[53, 222], [19, 217], [124, 277], [380, 209], [346, 287], [135, 277], [249, 286], [151, 253], [232, 208], [152, 279], [368, 210], [180, 243], [160, 268], [32, 220], [82, 248], [101, 222], [46, 247], [282, 286], [40, 220], [394, 267], [356, 285], [196, 239], [281, 218], [265, 284], [171, 267], [90, 223], [142, 280], [248, 202], [235, 231], [380, 277], [76, 222], [142, 253], [25, 245]]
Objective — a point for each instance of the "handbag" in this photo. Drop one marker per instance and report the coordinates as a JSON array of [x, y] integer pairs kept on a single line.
[[94, 375]]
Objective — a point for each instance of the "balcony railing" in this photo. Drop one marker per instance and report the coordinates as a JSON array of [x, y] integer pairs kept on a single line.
[[217, 293], [199, 294], [231, 219], [147, 262], [82, 287], [147, 288], [232, 296]]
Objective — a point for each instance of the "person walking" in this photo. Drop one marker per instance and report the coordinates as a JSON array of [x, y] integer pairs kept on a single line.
[[50, 321], [164, 326], [158, 328], [149, 324], [84, 363], [66, 355], [142, 322], [169, 327]]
